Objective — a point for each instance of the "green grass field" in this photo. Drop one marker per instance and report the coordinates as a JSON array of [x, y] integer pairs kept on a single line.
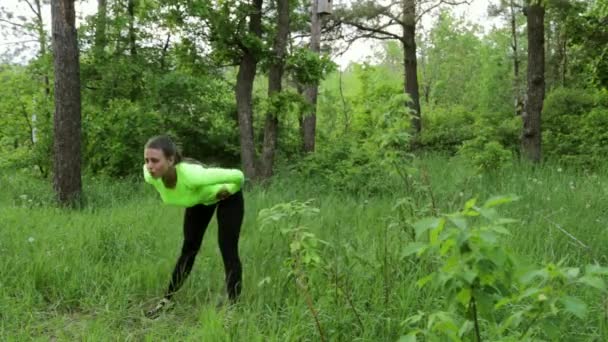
[[89, 274]]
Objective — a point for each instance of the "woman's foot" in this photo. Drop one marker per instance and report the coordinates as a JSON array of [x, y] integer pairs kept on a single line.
[[162, 306]]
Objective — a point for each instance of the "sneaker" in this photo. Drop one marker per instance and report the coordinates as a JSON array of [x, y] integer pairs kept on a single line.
[[162, 306]]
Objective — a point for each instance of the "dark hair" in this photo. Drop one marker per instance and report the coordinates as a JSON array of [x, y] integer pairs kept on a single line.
[[169, 148], [165, 144]]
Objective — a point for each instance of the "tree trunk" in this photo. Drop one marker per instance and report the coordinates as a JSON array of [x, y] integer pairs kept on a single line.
[[531, 134], [309, 121], [275, 75], [244, 89], [135, 76], [100, 28], [42, 42], [131, 12], [517, 89], [66, 162], [559, 62], [410, 63], [548, 40]]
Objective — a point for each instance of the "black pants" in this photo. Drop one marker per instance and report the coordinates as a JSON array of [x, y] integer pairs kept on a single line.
[[196, 219]]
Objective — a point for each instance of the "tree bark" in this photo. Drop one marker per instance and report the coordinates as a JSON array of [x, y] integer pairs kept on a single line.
[[42, 42], [244, 89], [136, 88], [275, 75], [309, 121], [100, 28], [531, 134], [132, 39], [410, 63], [517, 89], [67, 121]]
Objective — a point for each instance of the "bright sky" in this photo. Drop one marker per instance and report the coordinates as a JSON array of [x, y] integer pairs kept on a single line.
[[476, 12]]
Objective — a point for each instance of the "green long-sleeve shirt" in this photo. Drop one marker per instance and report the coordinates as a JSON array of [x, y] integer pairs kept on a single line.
[[196, 184]]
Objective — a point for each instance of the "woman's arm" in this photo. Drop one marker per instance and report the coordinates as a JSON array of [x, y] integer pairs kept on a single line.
[[201, 176]]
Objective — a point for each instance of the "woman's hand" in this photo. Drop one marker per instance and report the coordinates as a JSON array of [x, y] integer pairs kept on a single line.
[[222, 194]]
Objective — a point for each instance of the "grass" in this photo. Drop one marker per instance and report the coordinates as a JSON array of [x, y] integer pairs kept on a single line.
[[89, 274]]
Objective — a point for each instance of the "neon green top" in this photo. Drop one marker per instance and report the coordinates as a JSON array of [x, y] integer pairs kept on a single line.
[[196, 184]]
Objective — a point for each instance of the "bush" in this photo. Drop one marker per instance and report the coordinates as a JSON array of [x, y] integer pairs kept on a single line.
[[113, 139], [575, 122], [445, 129]]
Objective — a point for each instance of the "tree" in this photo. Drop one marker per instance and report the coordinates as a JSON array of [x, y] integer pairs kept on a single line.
[[275, 75], [100, 29], [309, 121], [67, 128], [244, 88], [509, 10], [374, 20], [531, 133]]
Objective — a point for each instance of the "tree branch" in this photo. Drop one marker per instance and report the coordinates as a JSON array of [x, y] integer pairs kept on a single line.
[[32, 8], [442, 2], [379, 30], [387, 12], [21, 42], [15, 24]]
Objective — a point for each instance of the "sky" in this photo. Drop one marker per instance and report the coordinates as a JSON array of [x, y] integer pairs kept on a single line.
[[476, 12]]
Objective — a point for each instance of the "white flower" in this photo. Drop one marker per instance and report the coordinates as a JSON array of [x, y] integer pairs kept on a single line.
[[559, 169], [30, 240]]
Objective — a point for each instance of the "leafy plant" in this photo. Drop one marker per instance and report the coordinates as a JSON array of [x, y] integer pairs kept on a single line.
[[488, 292], [303, 245]]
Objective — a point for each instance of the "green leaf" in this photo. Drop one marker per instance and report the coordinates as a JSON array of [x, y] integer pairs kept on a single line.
[[294, 246], [458, 221], [488, 237], [501, 230], [593, 281], [504, 301], [425, 224], [489, 213], [415, 318], [528, 277], [465, 328], [411, 337], [513, 321], [551, 329], [529, 292], [414, 247], [435, 232], [464, 296], [499, 200], [596, 270], [469, 275], [470, 203], [572, 272], [575, 306], [424, 280], [447, 246]]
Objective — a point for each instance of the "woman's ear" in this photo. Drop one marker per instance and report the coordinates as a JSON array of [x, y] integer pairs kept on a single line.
[[171, 161]]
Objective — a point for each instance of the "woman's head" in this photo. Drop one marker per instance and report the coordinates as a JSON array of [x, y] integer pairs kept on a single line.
[[160, 155]]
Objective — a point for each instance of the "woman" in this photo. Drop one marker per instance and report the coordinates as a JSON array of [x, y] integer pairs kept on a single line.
[[186, 183]]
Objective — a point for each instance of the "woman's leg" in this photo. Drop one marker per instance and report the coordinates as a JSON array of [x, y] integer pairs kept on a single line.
[[230, 217], [196, 220]]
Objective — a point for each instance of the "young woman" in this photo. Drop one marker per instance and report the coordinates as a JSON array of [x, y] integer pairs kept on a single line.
[[187, 183]]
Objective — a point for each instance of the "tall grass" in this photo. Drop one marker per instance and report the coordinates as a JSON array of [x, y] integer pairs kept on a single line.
[[89, 274]]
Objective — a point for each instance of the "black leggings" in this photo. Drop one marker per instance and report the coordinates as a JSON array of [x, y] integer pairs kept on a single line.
[[196, 219]]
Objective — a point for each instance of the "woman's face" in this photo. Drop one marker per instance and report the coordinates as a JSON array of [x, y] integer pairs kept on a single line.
[[156, 162]]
